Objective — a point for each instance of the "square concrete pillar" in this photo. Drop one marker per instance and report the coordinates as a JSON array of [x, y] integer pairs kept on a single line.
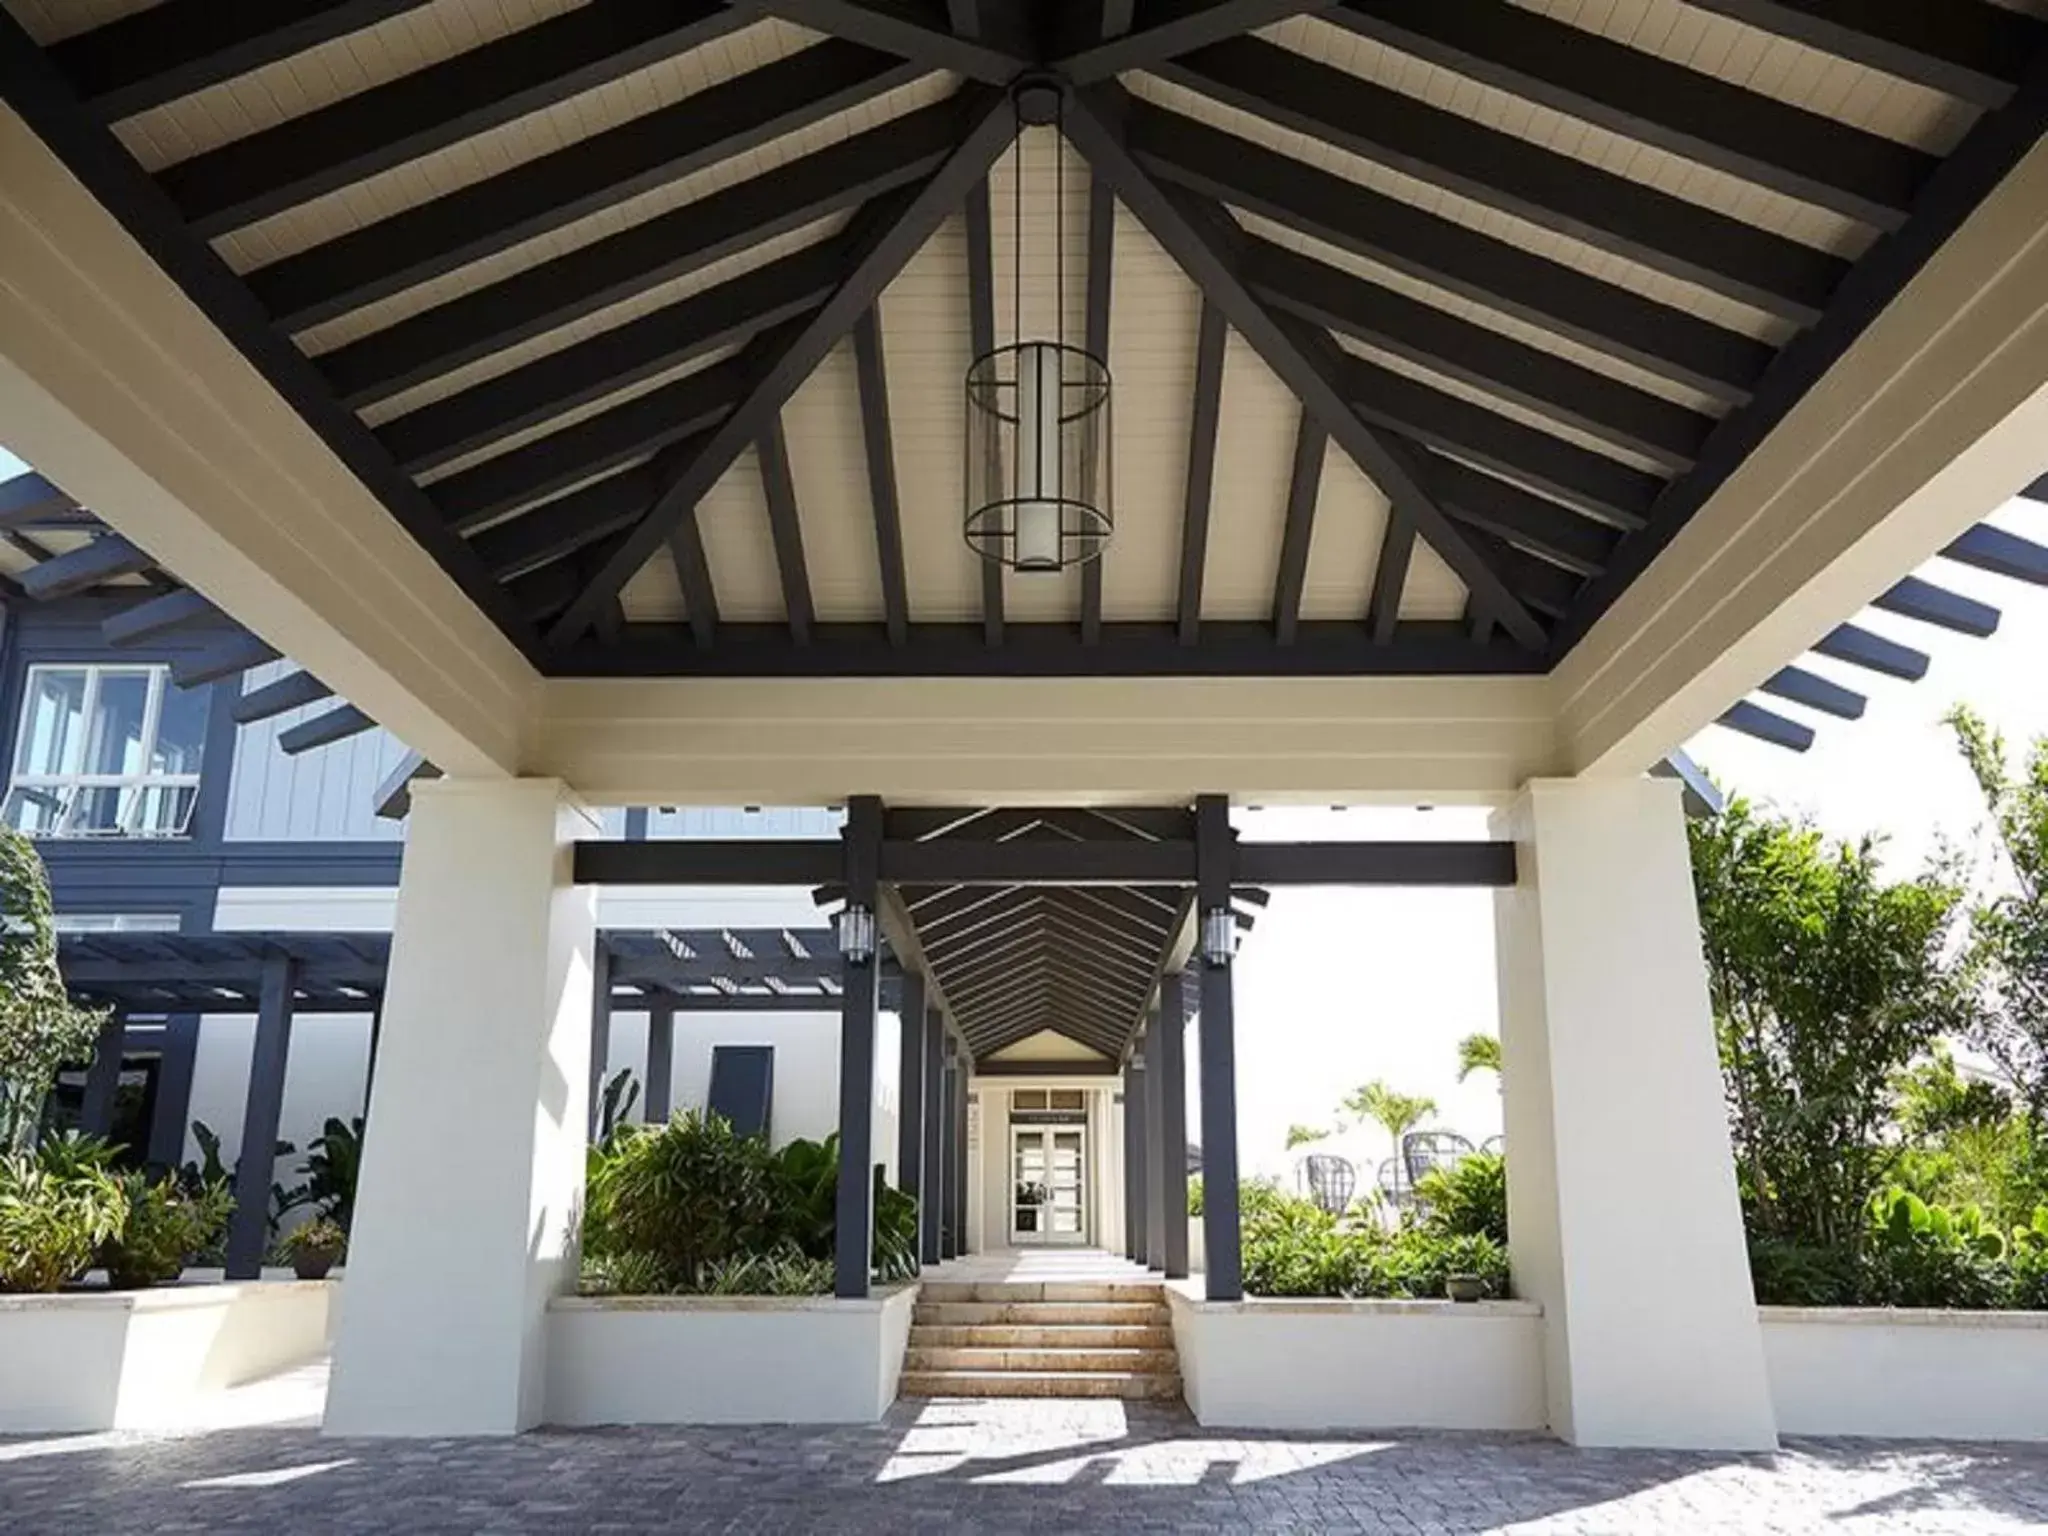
[[472, 1174], [1622, 1209]]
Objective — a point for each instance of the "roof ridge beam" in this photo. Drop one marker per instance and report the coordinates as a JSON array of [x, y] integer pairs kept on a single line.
[[1607, 211], [890, 235], [403, 119], [1667, 342], [1712, 122], [1188, 229], [495, 316], [487, 217]]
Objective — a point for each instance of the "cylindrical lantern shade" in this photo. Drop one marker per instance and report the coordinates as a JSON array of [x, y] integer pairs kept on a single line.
[[1038, 456]]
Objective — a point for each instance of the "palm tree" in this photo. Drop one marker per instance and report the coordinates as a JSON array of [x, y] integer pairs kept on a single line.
[[1398, 1113], [1478, 1053]]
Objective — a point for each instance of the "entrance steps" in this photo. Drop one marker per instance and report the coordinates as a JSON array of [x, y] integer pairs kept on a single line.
[[1041, 1339]]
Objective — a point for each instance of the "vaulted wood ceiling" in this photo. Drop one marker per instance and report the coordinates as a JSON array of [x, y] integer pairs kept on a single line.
[[1430, 324]]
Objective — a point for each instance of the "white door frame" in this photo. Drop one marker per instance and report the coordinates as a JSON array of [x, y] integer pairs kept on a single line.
[[1041, 1235]]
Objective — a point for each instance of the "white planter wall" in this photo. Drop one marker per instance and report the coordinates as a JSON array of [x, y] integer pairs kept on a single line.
[[1908, 1374], [1273, 1364], [725, 1360], [136, 1359]]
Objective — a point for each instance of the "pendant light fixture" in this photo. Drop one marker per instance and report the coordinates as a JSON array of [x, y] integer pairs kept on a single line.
[[1038, 410]]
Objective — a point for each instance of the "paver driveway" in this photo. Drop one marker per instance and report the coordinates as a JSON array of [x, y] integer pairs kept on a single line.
[[959, 1467]]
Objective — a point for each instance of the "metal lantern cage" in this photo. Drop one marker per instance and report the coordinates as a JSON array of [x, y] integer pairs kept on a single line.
[[1038, 455], [1039, 475]]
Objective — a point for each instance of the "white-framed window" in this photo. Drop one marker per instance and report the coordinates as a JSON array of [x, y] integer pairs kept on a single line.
[[106, 751]]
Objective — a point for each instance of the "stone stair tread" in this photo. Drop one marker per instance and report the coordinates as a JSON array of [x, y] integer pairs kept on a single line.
[[1026, 1359], [1039, 1336], [1127, 1384]]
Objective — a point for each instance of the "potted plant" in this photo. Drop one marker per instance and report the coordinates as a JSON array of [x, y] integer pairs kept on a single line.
[[316, 1247], [1465, 1287]]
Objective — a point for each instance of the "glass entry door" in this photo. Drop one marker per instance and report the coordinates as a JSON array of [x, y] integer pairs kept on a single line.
[[1048, 1167]]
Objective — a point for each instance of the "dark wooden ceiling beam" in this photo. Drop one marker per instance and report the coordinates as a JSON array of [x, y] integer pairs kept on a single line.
[[1204, 421], [1964, 48], [1766, 726], [1629, 418], [323, 730], [1666, 342], [981, 337], [102, 559], [778, 489], [1508, 511], [1986, 548], [889, 237], [918, 30], [557, 529], [1304, 482], [1390, 576], [294, 690], [445, 233], [1159, 29], [358, 136], [155, 617], [1915, 598], [533, 471], [1095, 329], [1815, 692], [1804, 155], [1859, 647], [1590, 481], [1538, 582], [1227, 648], [227, 657], [499, 315], [1998, 142], [163, 52], [614, 360], [1197, 236], [872, 376], [1622, 217]]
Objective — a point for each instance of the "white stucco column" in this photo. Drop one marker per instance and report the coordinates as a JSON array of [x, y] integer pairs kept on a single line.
[[1622, 1207], [473, 1156]]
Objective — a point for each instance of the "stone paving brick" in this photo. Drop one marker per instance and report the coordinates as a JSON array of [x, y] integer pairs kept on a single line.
[[961, 1467]]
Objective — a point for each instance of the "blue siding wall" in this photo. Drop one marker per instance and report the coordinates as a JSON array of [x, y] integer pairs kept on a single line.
[[326, 795]]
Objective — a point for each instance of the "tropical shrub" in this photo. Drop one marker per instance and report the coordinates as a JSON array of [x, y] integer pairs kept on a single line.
[[57, 1206], [1293, 1247], [40, 1028], [692, 1207], [333, 1160], [1930, 1256], [1467, 1198], [166, 1228]]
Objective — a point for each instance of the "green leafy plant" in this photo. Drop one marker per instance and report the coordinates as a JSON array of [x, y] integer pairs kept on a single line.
[[1396, 1113], [1292, 1247], [1478, 1053], [620, 1095], [785, 1272], [57, 1206], [333, 1160], [1931, 1256], [166, 1228], [40, 1027], [1467, 1198], [1303, 1135], [321, 1233]]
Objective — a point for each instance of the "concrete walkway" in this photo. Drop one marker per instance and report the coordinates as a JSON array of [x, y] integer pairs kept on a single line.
[[958, 1467]]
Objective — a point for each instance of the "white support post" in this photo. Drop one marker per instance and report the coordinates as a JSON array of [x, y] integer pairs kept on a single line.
[[465, 1222], [1622, 1209]]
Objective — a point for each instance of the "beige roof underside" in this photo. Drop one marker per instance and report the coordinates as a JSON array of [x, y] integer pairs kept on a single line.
[[1155, 310]]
